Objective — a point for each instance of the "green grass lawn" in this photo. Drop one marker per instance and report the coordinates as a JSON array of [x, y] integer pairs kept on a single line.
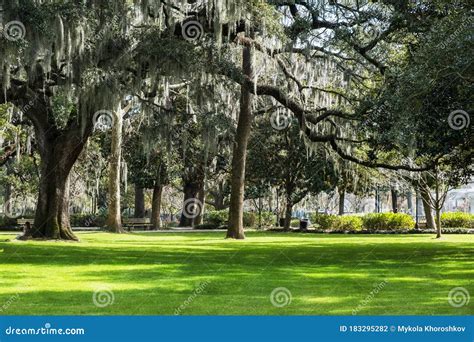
[[159, 273]]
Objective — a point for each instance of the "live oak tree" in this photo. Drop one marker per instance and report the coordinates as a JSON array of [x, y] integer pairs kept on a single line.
[[91, 53], [281, 159]]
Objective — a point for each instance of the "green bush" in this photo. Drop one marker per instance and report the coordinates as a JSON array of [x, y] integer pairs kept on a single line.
[[295, 223], [216, 217], [335, 222], [207, 226], [87, 220], [387, 221], [349, 222], [250, 219], [7, 223], [457, 220], [323, 221], [221, 218], [268, 219]]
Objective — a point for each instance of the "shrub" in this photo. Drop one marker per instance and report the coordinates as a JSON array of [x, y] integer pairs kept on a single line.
[[221, 218], [349, 222], [207, 226], [457, 220], [250, 219], [295, 223], [387, 221], [87, 220], [7, 223], [216, 217], [335, 222], [323, 221], [268, 219]]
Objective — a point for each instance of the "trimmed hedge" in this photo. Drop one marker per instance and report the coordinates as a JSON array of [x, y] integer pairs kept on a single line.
[[335, 222], [382, 221], [221, 217], [387, 221], [87, 220], [457, 220]]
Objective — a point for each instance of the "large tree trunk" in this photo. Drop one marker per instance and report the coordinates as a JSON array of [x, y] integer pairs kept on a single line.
[[59, 150], [156, 207], [201, 198], [289, 209], [244, 125], [394, 196], [342, 197], [58, 155], [430, 222], [139, 211], [190, 209], [114, 218], [52, 209]]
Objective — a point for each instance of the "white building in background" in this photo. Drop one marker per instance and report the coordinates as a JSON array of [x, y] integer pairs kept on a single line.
[[461, 199]]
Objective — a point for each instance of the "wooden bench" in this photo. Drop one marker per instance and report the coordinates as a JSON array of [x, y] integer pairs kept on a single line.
[[22, 221], [136, 223]]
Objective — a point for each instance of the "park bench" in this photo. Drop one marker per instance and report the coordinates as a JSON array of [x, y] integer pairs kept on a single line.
[[21, 222], [133, 223]]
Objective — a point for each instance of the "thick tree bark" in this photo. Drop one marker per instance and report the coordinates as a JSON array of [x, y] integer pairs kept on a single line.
[[139, 211], [288, 211], [59, 150], [244, 125], [394, 196], [156, 207], [190, 192], [342, 197], [201, 198], [114, 218], [430, 222]]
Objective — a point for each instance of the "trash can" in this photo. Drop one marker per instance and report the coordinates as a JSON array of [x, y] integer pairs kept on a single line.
[[304, 223], [282, 222]]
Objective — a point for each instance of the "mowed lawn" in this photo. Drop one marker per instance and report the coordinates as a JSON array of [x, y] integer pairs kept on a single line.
[[202, 273]]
